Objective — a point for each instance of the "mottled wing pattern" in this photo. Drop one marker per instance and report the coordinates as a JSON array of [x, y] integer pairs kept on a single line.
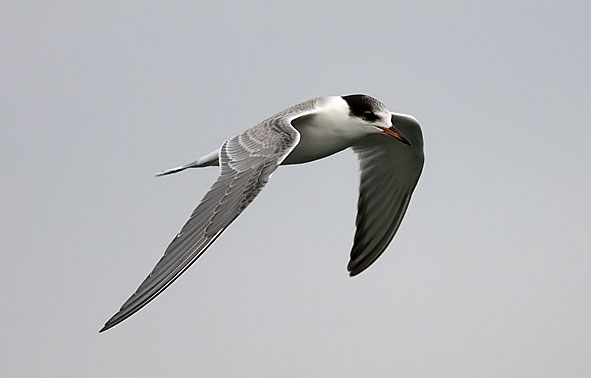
[[246, 163], [390, 171]]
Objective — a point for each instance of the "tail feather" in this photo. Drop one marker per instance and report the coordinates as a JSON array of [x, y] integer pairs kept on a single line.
[[206, 161]]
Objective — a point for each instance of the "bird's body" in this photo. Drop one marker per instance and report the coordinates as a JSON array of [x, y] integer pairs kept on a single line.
[[324, 134], [390, 149]]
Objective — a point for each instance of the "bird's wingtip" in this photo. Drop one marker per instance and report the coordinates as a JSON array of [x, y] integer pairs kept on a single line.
[[356, 269], [111, 323], [352, 271]]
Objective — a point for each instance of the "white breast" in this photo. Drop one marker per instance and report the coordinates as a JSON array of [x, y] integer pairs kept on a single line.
[[324, 133]]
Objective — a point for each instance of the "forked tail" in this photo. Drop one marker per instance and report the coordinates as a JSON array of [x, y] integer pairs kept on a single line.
[[208, 160]]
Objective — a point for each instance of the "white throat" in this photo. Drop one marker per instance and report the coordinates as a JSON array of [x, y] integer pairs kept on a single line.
[[329, 130]]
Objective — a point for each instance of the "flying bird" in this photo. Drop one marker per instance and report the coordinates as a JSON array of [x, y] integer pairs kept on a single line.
[[390, 150]]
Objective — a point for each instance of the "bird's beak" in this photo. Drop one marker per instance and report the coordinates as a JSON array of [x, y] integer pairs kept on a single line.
[[396, 134]]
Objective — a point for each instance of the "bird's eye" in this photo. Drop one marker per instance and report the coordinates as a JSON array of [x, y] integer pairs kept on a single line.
[[370, 116]]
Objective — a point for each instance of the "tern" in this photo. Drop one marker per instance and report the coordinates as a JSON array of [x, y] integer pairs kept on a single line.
[[390, 150]]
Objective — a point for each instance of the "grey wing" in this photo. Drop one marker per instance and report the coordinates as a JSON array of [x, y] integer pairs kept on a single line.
[[390, 171], [247, 162]]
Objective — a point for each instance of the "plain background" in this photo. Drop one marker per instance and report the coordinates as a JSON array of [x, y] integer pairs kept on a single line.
[[487, 277]]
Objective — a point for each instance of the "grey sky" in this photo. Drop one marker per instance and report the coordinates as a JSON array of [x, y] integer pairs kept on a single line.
[[487, 277]]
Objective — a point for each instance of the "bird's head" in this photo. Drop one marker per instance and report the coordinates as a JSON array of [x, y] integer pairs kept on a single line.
[[371, 114]]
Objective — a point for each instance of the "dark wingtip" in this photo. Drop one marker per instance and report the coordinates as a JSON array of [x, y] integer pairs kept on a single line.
[[354, 269], [111, 323], [106, 327]]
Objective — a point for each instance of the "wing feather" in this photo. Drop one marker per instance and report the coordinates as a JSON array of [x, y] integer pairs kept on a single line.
[[246, 163], [390, 171]]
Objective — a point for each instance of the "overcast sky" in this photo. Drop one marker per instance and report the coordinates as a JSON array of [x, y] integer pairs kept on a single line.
[[488, 275]]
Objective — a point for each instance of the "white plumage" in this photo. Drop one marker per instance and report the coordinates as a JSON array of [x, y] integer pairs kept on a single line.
[[390, 149]]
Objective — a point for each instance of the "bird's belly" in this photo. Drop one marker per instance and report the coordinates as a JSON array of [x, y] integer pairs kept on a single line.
[[317, 143]]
